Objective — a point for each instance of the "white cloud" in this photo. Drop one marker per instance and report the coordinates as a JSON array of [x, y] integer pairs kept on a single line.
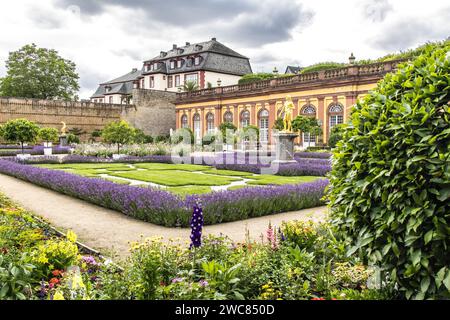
[[118, 38]]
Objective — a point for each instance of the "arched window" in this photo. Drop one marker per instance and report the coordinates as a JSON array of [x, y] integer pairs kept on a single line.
[[197, 127], [184, 121], [210, 123], [308, 109], [245, 118], [263, 120], [228, 117], [336, 114]]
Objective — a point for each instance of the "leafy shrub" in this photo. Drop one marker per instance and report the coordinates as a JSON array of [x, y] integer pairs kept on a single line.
[[390, 187], [141, 138], [73, 139], [48, 134], [336, 135], [20, 130], [322, 66], [254, 77], [15, 280], [118, 133]]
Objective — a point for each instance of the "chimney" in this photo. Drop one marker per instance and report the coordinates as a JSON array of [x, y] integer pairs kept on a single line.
[[174, 46], [188, 43], [214, 39]]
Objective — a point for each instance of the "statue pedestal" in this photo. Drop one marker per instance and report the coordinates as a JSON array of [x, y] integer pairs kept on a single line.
[[285, 147], [62, 141]]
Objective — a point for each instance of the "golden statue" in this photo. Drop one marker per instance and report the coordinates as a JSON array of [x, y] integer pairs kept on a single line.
[[63, 129], [288, 108]]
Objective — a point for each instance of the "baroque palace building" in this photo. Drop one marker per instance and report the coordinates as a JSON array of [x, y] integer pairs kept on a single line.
[[209, 64], [327, 95]]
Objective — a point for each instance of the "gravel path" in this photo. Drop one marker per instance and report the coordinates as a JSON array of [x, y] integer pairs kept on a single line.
[[110, 231]]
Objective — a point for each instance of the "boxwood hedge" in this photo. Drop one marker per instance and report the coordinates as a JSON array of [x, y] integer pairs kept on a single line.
[[390, 183]]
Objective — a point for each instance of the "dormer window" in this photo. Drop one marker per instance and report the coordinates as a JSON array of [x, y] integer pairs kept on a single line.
[[179, 63], [180, 51], [172, 64], [190, 62], [197, 60], [107, 89], [198, 47]]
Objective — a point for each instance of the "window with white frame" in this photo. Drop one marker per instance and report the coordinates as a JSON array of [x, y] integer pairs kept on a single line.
[[152, 82], [210, 123], [184, 121], [228, 117], [197, 127], [177, 81], [172, 64], [179, 63], [264, 125], [197, 60], [245, 119], [336, 116], [193, 77]]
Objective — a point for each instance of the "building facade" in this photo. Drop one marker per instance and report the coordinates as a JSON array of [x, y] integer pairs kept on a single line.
[[117, 91], [327, 95], [208, 64]]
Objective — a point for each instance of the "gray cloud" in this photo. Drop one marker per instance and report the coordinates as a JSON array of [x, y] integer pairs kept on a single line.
[[411, 31], [44, 19], [377, 10], [249, 22]]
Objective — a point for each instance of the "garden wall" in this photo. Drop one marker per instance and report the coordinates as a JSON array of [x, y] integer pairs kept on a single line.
[[87, 116], [154, 111]]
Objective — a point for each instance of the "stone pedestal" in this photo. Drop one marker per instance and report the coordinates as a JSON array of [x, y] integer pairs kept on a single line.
[[62, 141], [284, 144]]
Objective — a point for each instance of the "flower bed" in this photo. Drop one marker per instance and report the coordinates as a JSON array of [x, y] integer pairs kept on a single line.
[[36, 150], [163, 208]]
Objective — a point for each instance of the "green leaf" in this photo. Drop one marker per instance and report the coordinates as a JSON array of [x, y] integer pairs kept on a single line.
[[446, 280], [428, 236]]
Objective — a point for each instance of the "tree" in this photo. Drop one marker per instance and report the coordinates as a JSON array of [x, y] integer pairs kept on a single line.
[[336, 135], [140, 137], [118, 132], [231, 129], [48, 134], [307, 125], [39, 73], [390, 182], [20, 130], [190, 86]]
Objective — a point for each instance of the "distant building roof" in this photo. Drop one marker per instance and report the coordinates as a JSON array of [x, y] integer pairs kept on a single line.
[[214, 57], [121, 85], [292, 70]]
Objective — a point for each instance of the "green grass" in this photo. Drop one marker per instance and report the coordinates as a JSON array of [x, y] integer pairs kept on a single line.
[[175, 178], [189, 190], [242, 187], [279, 180], [229, 173], [165, 166], [118, 181]]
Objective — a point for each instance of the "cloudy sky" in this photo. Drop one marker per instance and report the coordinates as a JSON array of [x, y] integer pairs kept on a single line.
[[107, 38]]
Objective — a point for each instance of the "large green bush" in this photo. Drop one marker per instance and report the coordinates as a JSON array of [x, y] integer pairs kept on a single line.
[[390, 183]]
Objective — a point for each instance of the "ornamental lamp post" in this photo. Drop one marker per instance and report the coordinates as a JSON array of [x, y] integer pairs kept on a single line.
[[275, 71], [219, 82]]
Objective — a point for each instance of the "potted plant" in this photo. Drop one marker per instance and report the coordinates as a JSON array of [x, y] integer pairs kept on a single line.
[[48, 135], [21, 131]]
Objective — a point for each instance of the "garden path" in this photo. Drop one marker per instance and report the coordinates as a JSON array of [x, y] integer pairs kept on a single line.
[[110, 232]]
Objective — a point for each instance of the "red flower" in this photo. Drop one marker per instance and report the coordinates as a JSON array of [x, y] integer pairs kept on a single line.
[[54, 281], [318, 299], [56, 273]]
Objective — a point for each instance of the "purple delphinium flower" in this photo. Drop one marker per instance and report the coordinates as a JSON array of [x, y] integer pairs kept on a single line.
[[197, 222], [89, 260]]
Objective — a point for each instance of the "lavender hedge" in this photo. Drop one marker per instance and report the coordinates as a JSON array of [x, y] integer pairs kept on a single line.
[[36, 150], [164, 208]]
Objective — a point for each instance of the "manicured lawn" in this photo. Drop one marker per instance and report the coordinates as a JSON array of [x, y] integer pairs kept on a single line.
[[279, 180], [175, 178], [181, 179], [188, 190], [165, 166]]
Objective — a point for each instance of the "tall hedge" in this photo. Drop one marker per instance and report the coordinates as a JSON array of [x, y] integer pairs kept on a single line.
[[390, 183]]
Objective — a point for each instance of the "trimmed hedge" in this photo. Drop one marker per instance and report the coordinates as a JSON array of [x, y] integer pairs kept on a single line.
[[390, 183]]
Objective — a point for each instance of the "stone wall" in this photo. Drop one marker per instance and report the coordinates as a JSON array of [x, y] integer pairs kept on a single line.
[[87, 116], [153, 111]]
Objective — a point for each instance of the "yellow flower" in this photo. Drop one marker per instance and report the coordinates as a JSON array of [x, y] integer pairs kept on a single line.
[[58, 296], [71, 236]]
